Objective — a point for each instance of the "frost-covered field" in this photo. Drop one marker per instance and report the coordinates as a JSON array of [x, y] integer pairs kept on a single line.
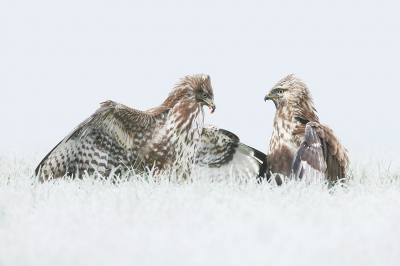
[[139, 222]]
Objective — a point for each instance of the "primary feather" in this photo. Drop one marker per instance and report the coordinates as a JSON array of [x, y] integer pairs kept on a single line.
[[222, 155]]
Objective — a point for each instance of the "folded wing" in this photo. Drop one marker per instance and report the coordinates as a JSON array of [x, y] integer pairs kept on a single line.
[[321, 156]]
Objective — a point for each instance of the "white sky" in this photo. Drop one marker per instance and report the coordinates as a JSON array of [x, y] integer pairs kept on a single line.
[[59, 60]]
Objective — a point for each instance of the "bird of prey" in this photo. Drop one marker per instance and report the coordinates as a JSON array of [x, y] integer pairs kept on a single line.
[[117, 138], [301, 146]]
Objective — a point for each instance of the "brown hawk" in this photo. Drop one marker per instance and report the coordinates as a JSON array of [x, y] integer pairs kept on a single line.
[[117, 138], [301, 146]]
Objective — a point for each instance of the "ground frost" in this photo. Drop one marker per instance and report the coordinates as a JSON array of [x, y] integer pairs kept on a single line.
[[156, 222]]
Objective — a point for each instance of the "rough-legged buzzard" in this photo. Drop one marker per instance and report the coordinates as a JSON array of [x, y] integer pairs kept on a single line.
[[301, 146]]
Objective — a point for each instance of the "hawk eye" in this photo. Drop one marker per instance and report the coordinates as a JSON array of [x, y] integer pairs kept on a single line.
[[205, 95], [280, 91]]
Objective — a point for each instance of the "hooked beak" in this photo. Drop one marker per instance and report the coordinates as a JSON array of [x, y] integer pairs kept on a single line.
[[269, 97], [211, 106]]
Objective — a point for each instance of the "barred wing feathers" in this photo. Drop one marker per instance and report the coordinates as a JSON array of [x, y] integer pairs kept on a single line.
[[320, 155], [309, 162], [221, 154], [111, 137]]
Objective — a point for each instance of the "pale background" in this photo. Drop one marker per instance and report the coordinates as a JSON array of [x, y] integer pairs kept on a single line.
[[59, 60]]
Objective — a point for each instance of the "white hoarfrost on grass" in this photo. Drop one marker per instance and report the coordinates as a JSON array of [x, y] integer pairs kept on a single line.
[[158, 222]]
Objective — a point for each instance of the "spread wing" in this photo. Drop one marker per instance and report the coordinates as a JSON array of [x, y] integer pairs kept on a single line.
[[222, 155], [321, 155], [110, 138]]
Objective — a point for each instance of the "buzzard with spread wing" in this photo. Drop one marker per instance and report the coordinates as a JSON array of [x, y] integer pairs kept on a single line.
[[222, 155], [166, 138], [301, 146]]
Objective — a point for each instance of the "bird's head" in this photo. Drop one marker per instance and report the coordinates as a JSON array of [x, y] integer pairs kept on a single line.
[[288, 90], [281, 92], [293, 93], [199, 87]]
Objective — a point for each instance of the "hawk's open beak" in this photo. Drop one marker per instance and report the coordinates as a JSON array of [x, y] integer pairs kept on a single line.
[[211, 106]]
